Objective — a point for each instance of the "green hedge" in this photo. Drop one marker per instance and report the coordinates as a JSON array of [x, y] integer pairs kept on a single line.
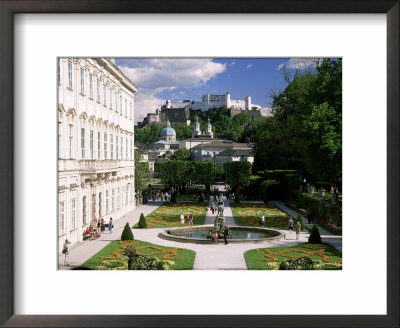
[[290, 179], [322, 210], [270, 189]]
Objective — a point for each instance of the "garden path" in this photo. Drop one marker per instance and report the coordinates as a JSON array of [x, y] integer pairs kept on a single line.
[[326, 236]]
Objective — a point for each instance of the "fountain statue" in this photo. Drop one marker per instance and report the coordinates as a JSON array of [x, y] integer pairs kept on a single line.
[[220, 206]]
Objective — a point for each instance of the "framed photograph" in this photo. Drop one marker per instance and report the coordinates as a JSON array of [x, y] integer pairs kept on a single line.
[[86, 62]]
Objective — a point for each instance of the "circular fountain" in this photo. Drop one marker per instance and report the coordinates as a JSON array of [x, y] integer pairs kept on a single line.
[[200, 235]]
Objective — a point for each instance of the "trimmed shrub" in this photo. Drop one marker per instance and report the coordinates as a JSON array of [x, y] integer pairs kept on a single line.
[[201, 198], [127, 233], [270, 189], [142, 221], [173, 198], [315, 237]]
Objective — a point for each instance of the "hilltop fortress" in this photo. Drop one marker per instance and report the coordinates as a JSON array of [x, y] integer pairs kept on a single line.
[[180, 112]]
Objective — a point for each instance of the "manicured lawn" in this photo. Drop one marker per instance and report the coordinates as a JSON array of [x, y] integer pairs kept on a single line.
[[247, 214], [168, 215], [111, 257], [325, 257]]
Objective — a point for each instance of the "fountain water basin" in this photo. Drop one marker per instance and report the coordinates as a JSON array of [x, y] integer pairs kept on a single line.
[[242, 235]]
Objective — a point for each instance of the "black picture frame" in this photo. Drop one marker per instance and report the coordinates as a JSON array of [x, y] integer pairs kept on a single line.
[[7, 11]]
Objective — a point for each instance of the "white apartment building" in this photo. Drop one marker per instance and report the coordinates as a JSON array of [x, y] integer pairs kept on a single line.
[[95, 145]]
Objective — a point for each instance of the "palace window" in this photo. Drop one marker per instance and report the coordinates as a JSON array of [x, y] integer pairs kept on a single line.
[[82, 81], [82, 143], [91, 145], [100, 205], [106, 201], [119, 197], [70, 74], [116, 148], [105, 94], [126, 193], [120, 104], [112, 146], [98, 145], [113, 199], [130, 110], [61, 217], [98, 90], [122, 143], [126, 148], [110, 98], [105, 145], [73, 212], [91, 85], [84, 210], [126, 108]]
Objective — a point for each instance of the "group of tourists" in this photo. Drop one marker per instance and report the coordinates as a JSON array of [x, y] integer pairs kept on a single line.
[[189, 219], [160, 196]]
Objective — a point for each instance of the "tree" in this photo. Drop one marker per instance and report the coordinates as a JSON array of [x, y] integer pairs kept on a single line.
[[315, 237], [204, 173], [175, 173], [142, 221], [238, 174], [182, 154], [127, 233], [305, 132], [142, 173]]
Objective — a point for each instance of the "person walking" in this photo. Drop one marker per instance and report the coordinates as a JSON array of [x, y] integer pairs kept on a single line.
[[298, 229], [65, 251], [291, 225], [262, 220], [226, 232], [110, 225], [98, 226], [182, 220], [190, 220], [215, 237]]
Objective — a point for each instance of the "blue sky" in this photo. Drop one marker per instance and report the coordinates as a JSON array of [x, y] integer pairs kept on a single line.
[[159, 79]]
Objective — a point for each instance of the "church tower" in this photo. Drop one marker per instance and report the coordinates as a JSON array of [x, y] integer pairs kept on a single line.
[[196, 129], [209, 129]]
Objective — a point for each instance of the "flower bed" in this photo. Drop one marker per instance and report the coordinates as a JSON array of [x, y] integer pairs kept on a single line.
[[324, 256], [112, 256]]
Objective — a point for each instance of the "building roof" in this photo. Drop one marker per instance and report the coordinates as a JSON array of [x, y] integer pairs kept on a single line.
[[203, 137], [236, 152], [223, 144], [168, 132]]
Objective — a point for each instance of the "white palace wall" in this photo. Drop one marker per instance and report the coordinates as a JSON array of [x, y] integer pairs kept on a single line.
[[96, 140]]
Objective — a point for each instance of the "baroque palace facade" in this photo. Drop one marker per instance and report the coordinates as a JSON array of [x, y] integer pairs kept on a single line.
[[95, 145]]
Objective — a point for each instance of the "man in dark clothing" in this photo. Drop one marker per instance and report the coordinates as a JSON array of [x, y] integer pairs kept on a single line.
[[226, 232]]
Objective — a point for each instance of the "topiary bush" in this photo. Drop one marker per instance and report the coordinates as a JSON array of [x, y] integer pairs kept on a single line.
[[127, 233], [142, 221], [173, 198], [201, 198], [315, 237]]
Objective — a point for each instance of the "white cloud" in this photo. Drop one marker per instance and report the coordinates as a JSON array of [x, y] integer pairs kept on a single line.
[[249, 66], [299, 63], [153, 76]]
